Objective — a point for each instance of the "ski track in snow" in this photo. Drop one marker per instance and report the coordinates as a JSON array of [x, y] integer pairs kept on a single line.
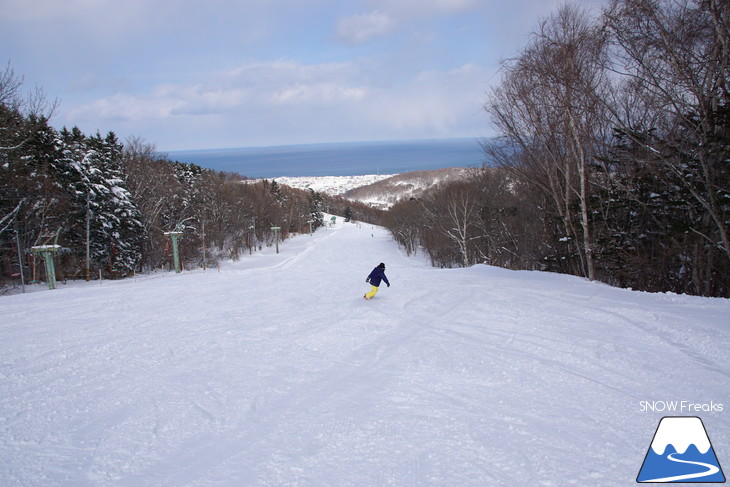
[[275, 372]]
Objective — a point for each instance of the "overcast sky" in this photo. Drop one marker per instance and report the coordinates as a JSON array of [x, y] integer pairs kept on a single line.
[[191, 74]]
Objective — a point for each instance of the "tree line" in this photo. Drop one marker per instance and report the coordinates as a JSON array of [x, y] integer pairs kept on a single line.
[[107, 205], [612, 159], [612, 162]]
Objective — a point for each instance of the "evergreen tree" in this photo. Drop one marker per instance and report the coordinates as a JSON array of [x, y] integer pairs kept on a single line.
[[315, 207], [106, 219]]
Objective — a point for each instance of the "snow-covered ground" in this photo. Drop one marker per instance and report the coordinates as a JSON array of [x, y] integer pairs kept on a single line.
[[332, 185], [275, 372]]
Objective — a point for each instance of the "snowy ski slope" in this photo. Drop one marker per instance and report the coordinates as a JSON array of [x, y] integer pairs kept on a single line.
[[275, 372]]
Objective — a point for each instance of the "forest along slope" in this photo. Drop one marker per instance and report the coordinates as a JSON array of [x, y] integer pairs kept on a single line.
[[274, 371]]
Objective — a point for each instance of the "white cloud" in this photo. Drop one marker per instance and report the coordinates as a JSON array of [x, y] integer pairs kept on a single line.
[[163, 69], [390, 14], [410, 8], [357, 29], [285, 102], [257, 85], [314, 93], [432, 104]]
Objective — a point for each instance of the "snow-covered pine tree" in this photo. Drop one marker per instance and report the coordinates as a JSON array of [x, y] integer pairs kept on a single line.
[[106, 218], [30, 205], [72, 178], [122, 224], [189, 176], [315, 207], [47, 204], [13, 172]]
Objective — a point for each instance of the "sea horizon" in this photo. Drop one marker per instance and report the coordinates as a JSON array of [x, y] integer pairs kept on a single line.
[[338, 158]]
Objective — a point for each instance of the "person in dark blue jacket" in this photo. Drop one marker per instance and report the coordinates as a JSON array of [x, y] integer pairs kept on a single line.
[[377, 275]]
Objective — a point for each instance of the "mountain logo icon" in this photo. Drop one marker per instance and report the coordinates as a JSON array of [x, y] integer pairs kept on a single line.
[[680, 452]]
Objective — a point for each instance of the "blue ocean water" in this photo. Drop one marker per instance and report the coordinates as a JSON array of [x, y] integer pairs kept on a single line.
[[338, 159]]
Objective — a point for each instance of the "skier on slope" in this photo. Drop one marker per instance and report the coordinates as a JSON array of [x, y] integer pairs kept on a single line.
[[374, 279]]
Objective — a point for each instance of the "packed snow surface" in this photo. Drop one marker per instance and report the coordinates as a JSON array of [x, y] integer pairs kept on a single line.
[[275, 372]]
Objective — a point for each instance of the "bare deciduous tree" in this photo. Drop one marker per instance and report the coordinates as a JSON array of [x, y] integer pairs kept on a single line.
[[548, 107], [674, 56]]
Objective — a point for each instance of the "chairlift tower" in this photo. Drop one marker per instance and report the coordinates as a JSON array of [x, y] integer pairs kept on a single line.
[[174, 235], [48, 252], [276, 237]]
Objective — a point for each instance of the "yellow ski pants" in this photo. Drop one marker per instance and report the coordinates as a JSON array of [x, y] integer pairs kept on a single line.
[[372, 292]]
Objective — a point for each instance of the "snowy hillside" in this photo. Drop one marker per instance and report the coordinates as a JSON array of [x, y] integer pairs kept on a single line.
[[387, 192], [332, 185], [275, 372], [376, 190]]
